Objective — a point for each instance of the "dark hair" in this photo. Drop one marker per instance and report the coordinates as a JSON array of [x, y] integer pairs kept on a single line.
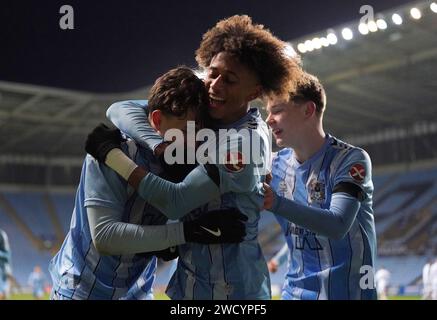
[[255, 47], [310, 89], [178, 91]]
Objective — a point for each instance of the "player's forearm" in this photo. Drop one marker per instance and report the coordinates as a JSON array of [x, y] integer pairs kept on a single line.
[[333, 223], [112, 237], [131, 118], [175, 200]]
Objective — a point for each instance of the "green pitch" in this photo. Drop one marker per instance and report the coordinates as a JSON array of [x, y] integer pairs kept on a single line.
[[404, 298], [25, 296]]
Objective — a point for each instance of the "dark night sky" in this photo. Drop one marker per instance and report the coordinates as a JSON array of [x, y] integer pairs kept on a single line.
[[124, 45]]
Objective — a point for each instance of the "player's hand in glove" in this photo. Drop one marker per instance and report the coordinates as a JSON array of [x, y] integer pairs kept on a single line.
[[167, 254], [218, 226], [102, 140]]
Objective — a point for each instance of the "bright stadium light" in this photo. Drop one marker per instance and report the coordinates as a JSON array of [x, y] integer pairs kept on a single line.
[[397, 19], [289, 51], [363, 29], [372, 26], [347, 34], [317, 44], [381, 24], [309, 45], [324, 41], [433, 7], [415, 13], [301, 47], [332, 38]]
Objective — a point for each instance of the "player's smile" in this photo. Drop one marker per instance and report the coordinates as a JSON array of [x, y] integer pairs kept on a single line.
[[216, 102], [277, 132], [231, 86]]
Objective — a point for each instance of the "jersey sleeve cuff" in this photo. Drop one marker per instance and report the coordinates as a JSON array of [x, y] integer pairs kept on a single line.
[[102, 203]]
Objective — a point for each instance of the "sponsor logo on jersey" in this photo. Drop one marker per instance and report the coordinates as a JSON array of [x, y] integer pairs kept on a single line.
[[282, 188], [303, 239]]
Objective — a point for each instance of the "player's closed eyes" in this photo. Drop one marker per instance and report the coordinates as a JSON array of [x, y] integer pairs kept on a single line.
[[276, 111], [213, 74]]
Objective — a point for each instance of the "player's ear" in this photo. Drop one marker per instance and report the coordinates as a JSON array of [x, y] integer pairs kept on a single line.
[[155, 118], [310, 109], [256, 93]]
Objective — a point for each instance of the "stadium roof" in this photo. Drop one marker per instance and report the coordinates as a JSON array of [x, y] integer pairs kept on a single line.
[[124, 45], [379, 86], [381, 83]]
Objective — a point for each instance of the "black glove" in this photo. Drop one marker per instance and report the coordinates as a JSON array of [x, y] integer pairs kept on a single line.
[[167, 254], [218, 226], [102, 140]]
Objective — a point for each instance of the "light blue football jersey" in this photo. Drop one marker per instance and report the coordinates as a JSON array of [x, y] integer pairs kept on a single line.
[[78, 271], [323, 268], [223, 271], [229, 271]]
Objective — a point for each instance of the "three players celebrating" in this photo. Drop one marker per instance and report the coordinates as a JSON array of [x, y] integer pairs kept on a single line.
[[321, 187]]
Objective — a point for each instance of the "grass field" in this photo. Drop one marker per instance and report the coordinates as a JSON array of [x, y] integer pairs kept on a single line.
[[25, 296], [404, 298], [163, 296]]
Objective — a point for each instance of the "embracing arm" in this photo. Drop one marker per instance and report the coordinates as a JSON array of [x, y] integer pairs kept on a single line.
[[175, 200], [333, 223], [112, 237], [131, 118]]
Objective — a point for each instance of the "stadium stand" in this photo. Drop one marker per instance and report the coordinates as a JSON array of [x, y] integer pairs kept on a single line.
[[35, 226]]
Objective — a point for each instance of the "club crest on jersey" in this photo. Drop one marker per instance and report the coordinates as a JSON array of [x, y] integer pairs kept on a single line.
[[234, 162], [317, 191], [282, 187], [357, 172]]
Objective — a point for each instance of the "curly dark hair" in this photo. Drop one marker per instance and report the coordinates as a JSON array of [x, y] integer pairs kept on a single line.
[[309, 88], [177, 91], [257, 48]]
